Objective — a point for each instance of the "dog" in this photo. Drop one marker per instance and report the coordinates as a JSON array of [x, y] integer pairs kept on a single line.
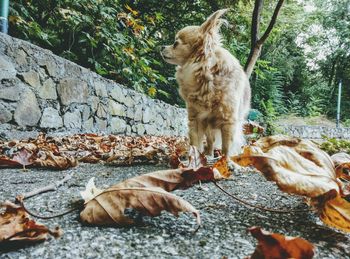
[[213, 84]]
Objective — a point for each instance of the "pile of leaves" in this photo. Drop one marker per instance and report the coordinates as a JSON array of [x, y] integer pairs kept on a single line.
[[65, 152], [300, 167]]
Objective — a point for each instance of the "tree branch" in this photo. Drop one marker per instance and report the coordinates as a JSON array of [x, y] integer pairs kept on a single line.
[[272, 22], [256, 22], [48, 188]]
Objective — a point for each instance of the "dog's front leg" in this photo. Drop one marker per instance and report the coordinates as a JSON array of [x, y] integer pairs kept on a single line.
[[227, 133], [196, 133]]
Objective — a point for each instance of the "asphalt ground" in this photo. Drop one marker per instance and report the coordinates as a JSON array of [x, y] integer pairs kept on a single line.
[[222, 235]]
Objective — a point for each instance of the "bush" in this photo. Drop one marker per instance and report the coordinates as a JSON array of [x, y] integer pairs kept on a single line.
[[108, 37]]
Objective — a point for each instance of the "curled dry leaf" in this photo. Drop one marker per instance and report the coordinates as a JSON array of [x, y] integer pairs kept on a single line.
[[141, 193], [221, 167], [7, 162], [333, 210], [169, 180], [342, 165], [108, 207], [297, 166], [15, 225], [48, 159], [272, 245], [24, 157]]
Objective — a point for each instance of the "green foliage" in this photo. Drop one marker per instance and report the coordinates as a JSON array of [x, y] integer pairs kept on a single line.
[[108, 37], [332, 145]]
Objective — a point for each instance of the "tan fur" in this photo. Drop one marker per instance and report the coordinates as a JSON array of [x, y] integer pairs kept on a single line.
[[212, 83]]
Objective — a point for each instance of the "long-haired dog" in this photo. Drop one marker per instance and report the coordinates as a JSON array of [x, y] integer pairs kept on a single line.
[[212, 83]]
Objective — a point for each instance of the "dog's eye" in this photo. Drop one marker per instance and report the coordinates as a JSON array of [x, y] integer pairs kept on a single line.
[[175, 44]]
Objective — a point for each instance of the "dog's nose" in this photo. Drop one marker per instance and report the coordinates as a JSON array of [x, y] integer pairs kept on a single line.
[[162, 48]]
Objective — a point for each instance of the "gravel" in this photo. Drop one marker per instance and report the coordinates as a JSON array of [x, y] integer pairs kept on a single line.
[[223, 234]]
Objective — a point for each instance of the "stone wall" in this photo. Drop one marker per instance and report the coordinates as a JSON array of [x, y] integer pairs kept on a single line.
[[316, 132], [40, 91]]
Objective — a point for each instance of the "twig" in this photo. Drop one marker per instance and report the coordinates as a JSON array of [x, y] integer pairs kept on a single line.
[[48, 188], [247, 204], [20, 200]]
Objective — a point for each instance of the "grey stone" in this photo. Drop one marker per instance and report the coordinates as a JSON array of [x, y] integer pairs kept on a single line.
[[7, 69], [48, 90], [86, 112], [147, 114], [51, 68], [101, 111], [151, 129], [128, 130], [138, 113], [20, 57], [101, 89], [51, 119], [140, 129], [94, 101], [101, 124], [116, 108], [72, 90], [11, 93], [27, 112], [159, 120], [72, 120], [5, 114], [128, 101], [117, 93], [118, 125], [31, 78], [130, 113], [88, 125]]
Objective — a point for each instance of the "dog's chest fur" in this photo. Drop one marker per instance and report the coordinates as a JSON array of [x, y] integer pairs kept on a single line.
[[203, 98]]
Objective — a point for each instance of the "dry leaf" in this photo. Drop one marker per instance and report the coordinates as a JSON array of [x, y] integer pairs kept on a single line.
[[7, 162], [333, 210], [108, 207], [169, 180], [297, 166], [275, 246], [221, 167], [15, 225], [342, 165], [24, 157], [252, 127]]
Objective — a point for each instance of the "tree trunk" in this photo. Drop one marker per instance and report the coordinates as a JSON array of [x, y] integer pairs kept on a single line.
[[253, 57]]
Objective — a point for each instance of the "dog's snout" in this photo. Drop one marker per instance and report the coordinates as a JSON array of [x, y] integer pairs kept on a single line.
[[162, 48]]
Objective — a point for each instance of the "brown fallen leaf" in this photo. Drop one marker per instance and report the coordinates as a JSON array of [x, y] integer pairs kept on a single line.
[[275, 246], [7, 162], [222, 167], [297, 166], [169, 180], [333, 210], [108, 207], [252, 127], [342, 165], [48, 159], [300, 167], [15, 225], [24, 157]]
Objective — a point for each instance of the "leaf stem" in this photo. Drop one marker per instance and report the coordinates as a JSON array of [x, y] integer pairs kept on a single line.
[[247, 204]]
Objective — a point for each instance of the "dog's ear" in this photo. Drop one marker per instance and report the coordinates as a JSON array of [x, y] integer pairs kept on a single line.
[[213, 22]]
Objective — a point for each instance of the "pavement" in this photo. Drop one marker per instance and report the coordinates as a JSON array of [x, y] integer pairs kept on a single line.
[[225, 222]]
